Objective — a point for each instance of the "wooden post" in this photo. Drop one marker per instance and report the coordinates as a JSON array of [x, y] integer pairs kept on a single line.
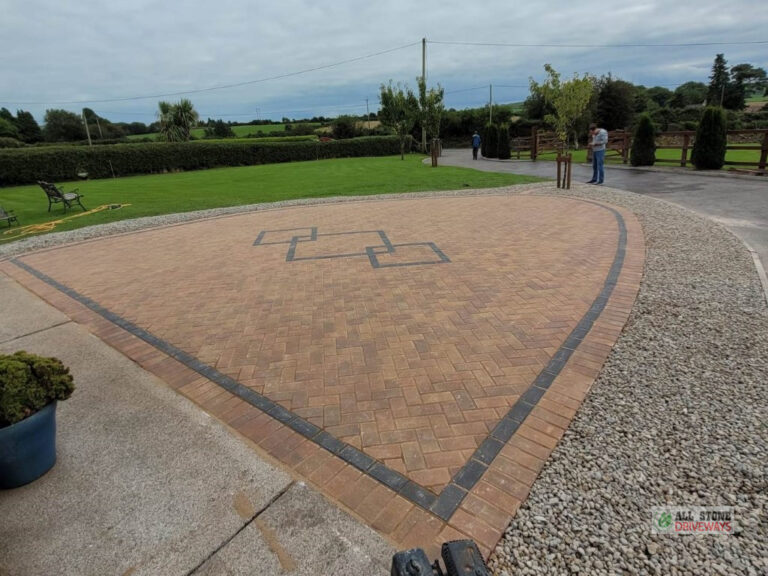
[[563, 170], [625, 148], [684, 157], [534, 143], [763, 152]]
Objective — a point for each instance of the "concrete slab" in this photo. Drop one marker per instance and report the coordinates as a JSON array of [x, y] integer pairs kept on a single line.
[[302, 534], [23, 313], [145, 483]]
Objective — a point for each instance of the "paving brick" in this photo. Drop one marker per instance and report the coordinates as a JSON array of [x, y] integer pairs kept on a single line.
[[413, 365]]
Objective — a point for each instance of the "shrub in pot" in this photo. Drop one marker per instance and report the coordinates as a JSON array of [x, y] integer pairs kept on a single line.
[[30, 385]]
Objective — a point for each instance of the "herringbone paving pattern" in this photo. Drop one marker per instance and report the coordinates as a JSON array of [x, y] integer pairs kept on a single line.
[[412, 362]]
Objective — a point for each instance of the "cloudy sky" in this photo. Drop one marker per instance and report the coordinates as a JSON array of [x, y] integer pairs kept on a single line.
[[301, 58]]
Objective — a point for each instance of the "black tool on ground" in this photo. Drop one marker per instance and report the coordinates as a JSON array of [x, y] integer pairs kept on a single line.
[[461, 558]]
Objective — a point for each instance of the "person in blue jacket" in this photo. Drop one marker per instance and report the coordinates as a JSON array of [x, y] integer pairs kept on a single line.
[[475, 144], [599, 140]]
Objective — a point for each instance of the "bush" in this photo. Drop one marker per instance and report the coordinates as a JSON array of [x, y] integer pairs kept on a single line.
[[10, 142], [711, 141], [643, 151], [490, 146], [503, 142], [28, 383], [61, 163], [219, 129], [344, 127]]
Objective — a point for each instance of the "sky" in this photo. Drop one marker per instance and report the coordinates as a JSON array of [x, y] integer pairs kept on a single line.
[[299, 58]]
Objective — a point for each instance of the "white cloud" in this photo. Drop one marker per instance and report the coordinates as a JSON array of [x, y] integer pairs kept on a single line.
[[93, 50]]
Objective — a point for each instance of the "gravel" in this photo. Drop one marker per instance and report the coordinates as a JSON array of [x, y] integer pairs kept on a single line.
[[678, 415]]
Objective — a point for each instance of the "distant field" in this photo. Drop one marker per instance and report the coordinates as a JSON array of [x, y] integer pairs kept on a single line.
[[240, 131]]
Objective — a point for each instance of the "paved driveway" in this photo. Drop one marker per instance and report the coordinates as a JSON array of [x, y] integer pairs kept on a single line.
[[416, 359], [740, 203]]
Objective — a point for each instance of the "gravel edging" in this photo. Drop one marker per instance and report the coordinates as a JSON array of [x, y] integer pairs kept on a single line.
[[677, 416]]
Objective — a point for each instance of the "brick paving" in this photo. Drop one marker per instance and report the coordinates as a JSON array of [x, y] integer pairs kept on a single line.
[[405, 329]]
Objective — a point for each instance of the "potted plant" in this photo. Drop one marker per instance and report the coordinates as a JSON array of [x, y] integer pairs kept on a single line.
[[30, 385]]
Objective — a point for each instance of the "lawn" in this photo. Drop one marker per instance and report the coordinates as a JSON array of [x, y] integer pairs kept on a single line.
[[154, 195], [666, 153], [240, 131]]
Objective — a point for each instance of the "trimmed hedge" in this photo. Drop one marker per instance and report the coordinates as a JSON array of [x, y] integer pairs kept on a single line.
[[56, 164]]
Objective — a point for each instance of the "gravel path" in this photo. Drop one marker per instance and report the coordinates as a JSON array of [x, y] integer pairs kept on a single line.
[[678, 416]]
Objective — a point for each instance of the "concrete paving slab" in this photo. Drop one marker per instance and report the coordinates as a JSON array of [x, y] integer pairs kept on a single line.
[[22, 313], [145, 483], [302, 534]]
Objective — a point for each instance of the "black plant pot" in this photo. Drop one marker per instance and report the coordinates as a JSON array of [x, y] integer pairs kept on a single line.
[[28, 448]]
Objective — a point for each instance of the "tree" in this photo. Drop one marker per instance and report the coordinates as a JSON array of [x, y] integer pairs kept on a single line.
[[568, 99], [503, 142], [718, 81], [430, 108], [689, 94], [344, 127], [219, 129], [660, 95], [753, 79], [5, 114], [489, 148], [29, 129], [711, 140], [177, 120], [63, 126], [399, 110], [643, 151], [8, 129], [615, 103]]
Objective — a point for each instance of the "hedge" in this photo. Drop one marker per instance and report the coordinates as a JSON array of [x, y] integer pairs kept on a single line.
[[55, 164]]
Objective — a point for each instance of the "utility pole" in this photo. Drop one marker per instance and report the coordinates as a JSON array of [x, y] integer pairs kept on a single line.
[[367, 116], [101, 136], [424, 80], [490, 105], [88, 132]]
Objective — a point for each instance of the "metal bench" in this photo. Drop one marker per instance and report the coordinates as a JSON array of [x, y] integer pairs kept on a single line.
[[8, 216], [56, 195]]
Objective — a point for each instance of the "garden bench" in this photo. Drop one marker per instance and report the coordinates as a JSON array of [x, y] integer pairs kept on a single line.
[[56, 194], [8, 216]]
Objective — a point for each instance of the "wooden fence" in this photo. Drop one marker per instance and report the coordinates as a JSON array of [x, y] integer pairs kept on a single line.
[[620, 143]]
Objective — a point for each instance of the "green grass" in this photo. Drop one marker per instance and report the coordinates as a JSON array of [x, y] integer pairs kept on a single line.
[[240, 131], [154, 195], [580, 156]]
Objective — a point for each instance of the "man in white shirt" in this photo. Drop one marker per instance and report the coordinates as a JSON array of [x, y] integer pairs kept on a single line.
[[599, 140]]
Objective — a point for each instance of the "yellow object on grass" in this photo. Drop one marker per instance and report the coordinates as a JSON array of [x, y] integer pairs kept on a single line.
[[14, 233]]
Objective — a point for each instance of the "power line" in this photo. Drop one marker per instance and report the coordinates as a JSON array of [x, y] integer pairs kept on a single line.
[[522, 45], [221, 87]]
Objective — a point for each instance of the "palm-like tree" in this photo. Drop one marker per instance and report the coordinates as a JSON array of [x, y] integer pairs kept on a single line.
[[177, 120]]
